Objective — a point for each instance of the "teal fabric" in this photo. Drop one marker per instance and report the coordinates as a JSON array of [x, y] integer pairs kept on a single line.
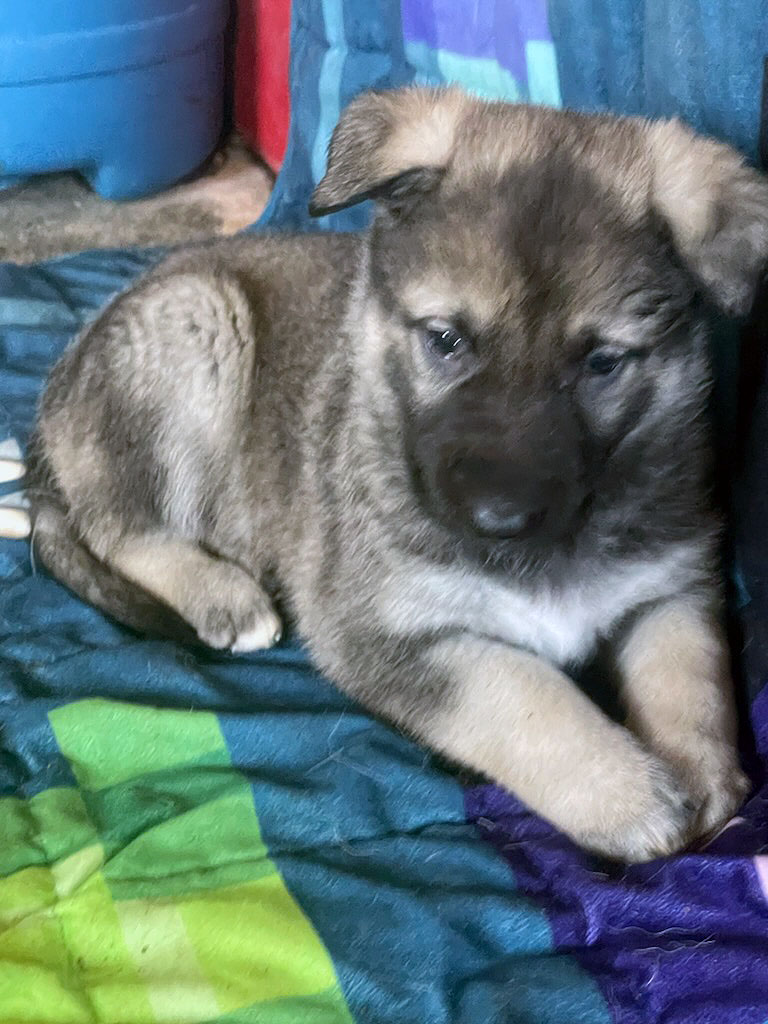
[[701, 60]]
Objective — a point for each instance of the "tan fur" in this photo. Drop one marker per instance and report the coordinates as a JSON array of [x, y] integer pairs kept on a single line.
[[691, 180], [424, 129], [189, 581], [689, 177], [514, 713], [385, 134], [677, 687], [432, 296]]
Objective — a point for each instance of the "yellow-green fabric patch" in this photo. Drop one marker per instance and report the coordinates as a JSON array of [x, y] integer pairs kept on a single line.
[[254, 943], [148, 897], [45, 828], [169, 859], [327, 1007], [106, 742]]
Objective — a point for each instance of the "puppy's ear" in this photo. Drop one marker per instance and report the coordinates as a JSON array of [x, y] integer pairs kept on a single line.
[[717, 208], [390, 146]]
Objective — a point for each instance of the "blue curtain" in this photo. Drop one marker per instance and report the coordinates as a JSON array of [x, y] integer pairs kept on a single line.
[[701, 60]]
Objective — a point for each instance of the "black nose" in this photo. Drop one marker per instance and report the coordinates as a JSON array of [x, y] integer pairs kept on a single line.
[[498, 517], [499, 498]]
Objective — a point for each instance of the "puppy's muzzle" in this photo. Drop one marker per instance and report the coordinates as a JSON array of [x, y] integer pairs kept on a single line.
[[499, 499], [507, 470]]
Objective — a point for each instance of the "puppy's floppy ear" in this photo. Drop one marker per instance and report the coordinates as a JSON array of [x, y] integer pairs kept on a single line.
[[389, 146], [717, 208]]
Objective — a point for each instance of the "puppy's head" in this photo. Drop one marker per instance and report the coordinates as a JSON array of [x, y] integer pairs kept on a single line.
[[532, 305]]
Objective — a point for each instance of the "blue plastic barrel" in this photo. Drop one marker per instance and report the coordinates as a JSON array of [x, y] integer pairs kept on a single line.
[[128, 92]]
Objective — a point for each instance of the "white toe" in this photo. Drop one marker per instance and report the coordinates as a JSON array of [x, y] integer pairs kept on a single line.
[[11, 469], [14, 523], [265, 633]]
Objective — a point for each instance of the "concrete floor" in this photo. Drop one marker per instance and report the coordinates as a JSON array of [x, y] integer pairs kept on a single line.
[[58, 213]]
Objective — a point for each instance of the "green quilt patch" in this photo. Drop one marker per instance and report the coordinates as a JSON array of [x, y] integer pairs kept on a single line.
[[147, 895]]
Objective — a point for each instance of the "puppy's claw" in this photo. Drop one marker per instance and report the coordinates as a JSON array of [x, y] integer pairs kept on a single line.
[[265, 633]]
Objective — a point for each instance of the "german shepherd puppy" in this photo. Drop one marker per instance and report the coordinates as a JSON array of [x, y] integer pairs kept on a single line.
[[470, 445]]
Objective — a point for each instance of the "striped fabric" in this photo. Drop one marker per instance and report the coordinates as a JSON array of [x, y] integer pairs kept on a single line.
[[495, 48], [338, 48]]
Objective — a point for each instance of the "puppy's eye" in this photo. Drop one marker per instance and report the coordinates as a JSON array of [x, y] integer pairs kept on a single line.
[[603, 361], [445, 341]]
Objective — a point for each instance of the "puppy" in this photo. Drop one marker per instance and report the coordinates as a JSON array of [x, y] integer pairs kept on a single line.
[[470, 446]]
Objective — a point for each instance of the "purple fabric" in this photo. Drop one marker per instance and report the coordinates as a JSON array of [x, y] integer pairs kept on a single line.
[[760, 725], [496, 29], [679, 941]]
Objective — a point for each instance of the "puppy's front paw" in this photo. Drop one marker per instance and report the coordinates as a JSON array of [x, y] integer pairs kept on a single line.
[[716, 782], [664, 819], [647, 813]]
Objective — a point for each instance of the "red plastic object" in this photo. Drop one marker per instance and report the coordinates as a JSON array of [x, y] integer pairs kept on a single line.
[[262, 93]]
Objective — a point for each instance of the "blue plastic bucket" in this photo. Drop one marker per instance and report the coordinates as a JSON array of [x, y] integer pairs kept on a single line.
[[128, 92]]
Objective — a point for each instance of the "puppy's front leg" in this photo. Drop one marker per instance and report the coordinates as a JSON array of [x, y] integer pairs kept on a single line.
[[526, 725], [678, 692]]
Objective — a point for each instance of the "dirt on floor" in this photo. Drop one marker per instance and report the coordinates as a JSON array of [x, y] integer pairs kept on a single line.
[[58, 213]]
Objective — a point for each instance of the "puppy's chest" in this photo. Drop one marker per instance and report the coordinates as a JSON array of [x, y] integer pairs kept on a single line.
[[561, 625]]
